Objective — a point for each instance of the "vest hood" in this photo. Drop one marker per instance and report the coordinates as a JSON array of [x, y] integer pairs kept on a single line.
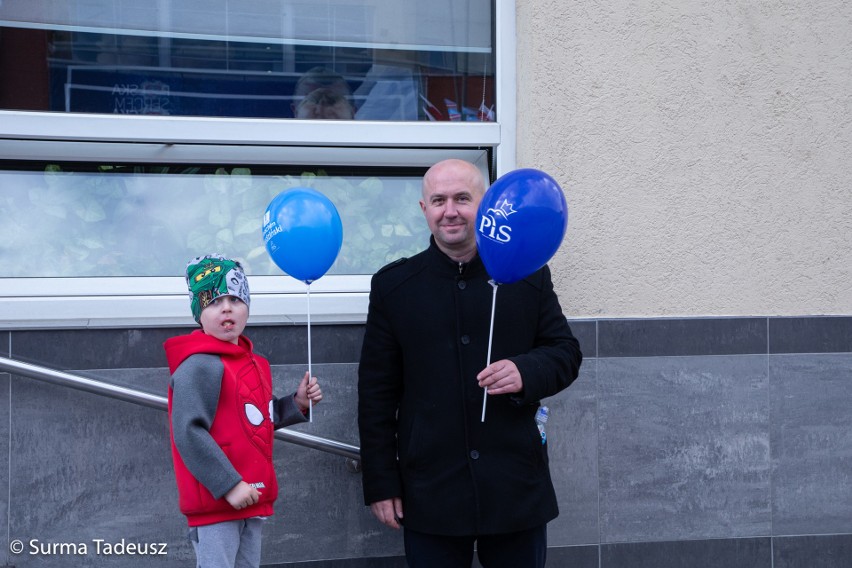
[[179, 348]]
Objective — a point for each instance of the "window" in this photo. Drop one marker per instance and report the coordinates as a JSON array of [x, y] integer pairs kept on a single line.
[[100, 220], [367, 60], [103, 243], [117, 129]]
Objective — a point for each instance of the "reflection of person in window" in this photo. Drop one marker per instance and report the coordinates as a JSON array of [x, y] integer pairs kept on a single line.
[[322, 94]]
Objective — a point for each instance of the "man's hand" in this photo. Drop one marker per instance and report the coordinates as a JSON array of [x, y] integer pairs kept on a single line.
[[501, 377], [389, 511]]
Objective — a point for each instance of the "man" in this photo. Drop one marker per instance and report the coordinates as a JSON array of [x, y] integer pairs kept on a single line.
[[429, 462], [322, 94]]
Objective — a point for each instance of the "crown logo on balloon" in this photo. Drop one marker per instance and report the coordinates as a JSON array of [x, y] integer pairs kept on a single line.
[[503, 209]]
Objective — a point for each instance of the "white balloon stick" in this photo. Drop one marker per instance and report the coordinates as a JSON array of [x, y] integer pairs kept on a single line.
[[310, 371], [490, 339]]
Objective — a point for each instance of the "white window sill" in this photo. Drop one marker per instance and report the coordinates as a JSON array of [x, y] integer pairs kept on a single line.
[[73, 303]]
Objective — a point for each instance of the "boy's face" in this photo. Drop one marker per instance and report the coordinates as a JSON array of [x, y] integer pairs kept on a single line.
[[225, 318]]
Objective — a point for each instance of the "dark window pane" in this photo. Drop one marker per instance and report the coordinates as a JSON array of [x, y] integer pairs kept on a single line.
[[364, 63]]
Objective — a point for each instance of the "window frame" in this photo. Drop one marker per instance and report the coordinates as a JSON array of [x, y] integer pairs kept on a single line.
[[157, 301]]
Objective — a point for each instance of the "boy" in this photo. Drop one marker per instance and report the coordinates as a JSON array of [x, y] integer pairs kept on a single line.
[[223, 416]]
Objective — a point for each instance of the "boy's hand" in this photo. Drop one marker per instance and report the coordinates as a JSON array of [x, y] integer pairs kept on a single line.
[[308, 392], [242, 495]]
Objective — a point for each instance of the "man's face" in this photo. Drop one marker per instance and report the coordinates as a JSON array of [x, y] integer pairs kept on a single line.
[[325, 104], [451, 197], [225, 318]]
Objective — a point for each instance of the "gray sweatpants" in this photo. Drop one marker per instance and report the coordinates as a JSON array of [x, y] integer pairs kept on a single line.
[[231, 544]]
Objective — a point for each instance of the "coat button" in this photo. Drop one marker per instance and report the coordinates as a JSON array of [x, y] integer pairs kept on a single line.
[[465, 339], [462, 284], [474, 455]]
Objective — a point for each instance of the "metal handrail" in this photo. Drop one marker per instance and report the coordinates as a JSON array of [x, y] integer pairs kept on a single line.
[[161, 403]]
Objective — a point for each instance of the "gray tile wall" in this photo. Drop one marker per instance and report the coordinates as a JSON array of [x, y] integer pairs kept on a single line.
[[683, 448], [698, 442]]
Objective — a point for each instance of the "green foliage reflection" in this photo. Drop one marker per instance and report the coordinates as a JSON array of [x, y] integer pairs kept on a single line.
[[149, 220]]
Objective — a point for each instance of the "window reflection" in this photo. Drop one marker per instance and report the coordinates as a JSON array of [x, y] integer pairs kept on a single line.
[[95, 220], [322, 93], [72, 71]]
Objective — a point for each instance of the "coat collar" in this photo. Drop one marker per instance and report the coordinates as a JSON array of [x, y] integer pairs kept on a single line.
[[438, 260]]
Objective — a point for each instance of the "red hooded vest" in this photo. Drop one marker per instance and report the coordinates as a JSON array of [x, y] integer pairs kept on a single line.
[[244, 400]]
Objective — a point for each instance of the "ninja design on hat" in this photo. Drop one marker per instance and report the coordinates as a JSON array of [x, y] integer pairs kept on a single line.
[[211, 276]]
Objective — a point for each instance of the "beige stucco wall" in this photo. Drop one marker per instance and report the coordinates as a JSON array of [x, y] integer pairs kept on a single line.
[[705, 150]]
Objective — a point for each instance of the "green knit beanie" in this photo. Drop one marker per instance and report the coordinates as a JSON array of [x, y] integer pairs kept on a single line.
[[211, 276]]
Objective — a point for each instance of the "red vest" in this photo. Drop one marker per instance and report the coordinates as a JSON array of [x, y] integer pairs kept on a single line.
[[242, 427]]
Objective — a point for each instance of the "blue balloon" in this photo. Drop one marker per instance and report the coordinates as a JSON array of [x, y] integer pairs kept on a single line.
[[302, 233], [520, 224]]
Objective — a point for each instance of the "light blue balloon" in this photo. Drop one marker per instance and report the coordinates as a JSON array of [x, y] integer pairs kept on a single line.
[[302, 233], [520, 224]]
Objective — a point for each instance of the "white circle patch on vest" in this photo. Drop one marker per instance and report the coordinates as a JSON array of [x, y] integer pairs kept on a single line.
[[254, 415]]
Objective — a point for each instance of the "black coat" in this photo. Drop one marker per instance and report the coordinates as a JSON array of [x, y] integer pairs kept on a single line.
[[419, 405]]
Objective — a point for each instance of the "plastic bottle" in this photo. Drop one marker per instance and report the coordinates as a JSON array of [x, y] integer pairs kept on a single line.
[[541, 416]]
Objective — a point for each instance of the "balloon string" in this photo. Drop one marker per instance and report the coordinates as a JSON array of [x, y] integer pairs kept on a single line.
[[490, 338], [310, 371]]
